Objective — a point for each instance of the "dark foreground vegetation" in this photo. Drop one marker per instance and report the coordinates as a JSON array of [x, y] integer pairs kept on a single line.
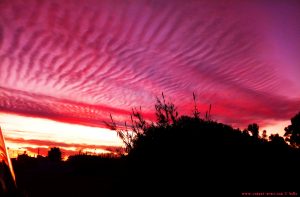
[[176, 156]]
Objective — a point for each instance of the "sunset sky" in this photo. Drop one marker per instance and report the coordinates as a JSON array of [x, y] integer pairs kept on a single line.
[[65, 65]]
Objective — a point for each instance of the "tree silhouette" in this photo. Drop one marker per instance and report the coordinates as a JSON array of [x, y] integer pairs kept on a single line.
[[264, 135], [253, 128], [275, 139], [292, 132], [54, 154]]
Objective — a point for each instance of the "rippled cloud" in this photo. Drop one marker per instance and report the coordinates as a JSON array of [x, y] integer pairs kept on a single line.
[[78, 61]]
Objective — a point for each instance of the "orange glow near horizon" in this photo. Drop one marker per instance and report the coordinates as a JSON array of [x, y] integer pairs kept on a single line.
[[38, 134], [35, 136]]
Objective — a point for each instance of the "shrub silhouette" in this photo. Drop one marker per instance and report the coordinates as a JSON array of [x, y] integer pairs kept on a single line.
[[166, 112], [165, 157]]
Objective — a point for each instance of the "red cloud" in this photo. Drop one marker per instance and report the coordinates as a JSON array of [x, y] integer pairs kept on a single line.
[[79, 62]]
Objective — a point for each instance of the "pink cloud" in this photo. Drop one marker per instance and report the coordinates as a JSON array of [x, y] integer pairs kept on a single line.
[[78, 62]]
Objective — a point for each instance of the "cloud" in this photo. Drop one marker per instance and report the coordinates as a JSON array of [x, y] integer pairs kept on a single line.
[[78, 62], [29, 104]]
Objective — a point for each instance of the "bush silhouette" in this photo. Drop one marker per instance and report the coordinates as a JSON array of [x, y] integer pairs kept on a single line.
[[165, 156]]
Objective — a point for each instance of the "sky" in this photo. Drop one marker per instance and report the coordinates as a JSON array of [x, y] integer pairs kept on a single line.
[[66, 65]]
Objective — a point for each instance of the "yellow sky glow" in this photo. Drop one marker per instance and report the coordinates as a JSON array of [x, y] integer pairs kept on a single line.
[[276, 127], [29, 128]]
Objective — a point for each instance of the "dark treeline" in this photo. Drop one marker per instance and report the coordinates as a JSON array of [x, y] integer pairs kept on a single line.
[[79, 175], [176, 155]]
